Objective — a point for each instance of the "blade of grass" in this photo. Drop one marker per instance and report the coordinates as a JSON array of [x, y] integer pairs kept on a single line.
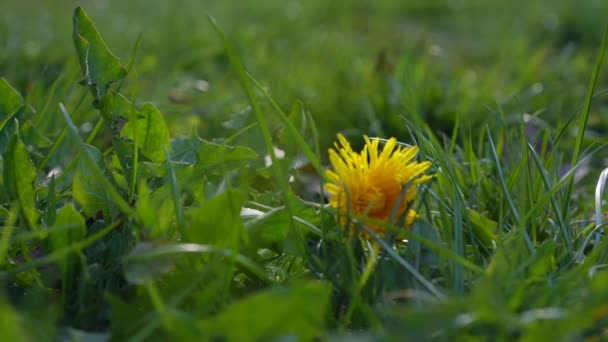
[[175, 192], [279, 174], [445, 253], [578, 145], [131, 60], [564, 229], [135, 162], [52, 151], [558, 186], [425, 282], [293, 130], [505, 190], [51, 93], [458, 240], [230, 140], [245, 82]]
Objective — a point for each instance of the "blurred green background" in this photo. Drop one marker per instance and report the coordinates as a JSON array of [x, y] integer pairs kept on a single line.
[[358, 66]]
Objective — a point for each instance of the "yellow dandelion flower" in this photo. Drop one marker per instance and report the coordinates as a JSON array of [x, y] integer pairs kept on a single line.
[[374, 185]]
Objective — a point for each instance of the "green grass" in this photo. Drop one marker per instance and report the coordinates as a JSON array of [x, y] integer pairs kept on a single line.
[[141, 197]]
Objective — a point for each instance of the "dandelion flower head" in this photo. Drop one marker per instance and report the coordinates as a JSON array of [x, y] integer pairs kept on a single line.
[[375, 185]]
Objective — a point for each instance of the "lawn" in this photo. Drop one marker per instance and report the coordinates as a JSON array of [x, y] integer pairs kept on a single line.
[[320, 170]]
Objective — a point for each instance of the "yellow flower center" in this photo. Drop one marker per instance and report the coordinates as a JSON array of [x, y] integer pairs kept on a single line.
[[374, 186]]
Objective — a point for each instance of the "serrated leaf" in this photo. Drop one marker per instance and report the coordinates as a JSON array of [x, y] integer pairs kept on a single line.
[[296, 312], [19, 179], [88, 190], [149, 132], [99, 66]]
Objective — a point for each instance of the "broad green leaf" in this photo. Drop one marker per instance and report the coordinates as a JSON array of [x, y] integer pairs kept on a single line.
[[10, 104], [10, 99], [124, 154], [88, 190], [99, 66], [114, 107], [126, 317], [184, 150], [508, 256], [215, 155], [207, 155], [156, 210], [294, 313], [270, 228], [68, 216], [273, 227], [218, 221], [144, 207], [483, 227], [11, 324], [19, 179], [543, 261], [149, 132]]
